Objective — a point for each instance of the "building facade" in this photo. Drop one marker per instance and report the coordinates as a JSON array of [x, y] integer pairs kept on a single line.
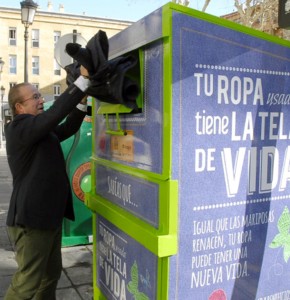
[[43, 69]]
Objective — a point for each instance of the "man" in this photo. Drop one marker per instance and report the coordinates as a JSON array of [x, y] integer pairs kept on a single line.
[[41, 195]]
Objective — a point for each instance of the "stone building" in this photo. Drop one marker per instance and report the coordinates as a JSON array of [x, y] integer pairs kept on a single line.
[[48, 26]]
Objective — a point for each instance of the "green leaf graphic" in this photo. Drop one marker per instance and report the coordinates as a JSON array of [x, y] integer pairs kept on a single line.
[[282, 239], [287, 252], [132, 286], [141, 296], [278, 241], [284, 222]]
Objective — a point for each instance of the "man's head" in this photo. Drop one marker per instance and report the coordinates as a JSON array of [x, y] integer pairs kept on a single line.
[[24, 98]]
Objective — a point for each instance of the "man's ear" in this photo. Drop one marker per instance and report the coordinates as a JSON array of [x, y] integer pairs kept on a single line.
[[18, 108]]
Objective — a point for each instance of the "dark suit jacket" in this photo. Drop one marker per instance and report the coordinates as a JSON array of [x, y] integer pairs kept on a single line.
[[41, 194]]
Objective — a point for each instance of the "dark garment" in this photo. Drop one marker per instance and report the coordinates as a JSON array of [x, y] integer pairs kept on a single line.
[[41, 194]]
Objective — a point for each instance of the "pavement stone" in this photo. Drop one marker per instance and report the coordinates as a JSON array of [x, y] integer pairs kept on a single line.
[[76, 282]]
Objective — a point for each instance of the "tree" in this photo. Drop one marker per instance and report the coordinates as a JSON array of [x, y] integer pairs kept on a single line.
[[259, 14], [187, 2], [181, 2], [206, 3]]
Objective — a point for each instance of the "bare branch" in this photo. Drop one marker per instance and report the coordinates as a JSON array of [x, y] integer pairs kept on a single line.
[[259, 14], [205, 5]]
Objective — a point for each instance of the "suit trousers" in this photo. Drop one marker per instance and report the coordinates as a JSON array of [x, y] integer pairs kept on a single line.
[[38, 255]]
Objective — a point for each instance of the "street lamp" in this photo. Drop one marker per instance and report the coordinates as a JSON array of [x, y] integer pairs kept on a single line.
[[28, 8], [1, 116], [1, 66]]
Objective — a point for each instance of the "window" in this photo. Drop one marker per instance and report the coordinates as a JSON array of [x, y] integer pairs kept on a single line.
[[12, 36], [12, 64], [56, 68], [12, 84], [36, 85], [35, 65], [35, 38], [56, 91], [56, 36]]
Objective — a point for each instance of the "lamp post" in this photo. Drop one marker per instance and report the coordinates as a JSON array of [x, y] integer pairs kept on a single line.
[[2, 95], [28, 8], [1, 66], [1, 116]]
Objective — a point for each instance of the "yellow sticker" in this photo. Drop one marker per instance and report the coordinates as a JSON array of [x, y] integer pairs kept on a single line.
[[122, 147]]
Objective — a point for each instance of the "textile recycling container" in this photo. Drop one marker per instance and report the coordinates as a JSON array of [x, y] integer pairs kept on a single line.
[[190, 194], [77, 151]]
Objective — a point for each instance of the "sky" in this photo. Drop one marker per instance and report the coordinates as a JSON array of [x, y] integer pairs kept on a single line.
[[129, 10]]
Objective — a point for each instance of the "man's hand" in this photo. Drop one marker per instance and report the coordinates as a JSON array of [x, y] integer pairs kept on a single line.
[[84, 71], [84, 100]]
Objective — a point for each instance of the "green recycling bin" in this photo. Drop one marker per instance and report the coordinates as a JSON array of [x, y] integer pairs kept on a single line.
[[77, 152], [190, 194]]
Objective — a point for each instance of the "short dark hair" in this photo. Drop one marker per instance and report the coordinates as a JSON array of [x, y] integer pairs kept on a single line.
[[14, 96]]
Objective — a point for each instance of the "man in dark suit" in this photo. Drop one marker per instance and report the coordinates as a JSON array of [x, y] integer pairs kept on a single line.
[[41, 195]]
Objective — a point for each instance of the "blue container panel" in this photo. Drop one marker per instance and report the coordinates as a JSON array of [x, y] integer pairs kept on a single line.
[[231, 158]]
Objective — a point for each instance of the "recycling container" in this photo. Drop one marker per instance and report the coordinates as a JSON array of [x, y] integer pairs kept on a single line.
[[190, 194], [77, 151]]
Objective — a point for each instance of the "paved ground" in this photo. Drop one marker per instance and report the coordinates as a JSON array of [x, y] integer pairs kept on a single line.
[[76, 282]]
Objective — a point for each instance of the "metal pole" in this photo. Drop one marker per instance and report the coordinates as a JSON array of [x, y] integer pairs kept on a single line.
[[25, 54], [1, 121]]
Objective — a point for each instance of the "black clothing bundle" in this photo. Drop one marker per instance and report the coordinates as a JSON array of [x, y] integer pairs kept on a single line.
[[109, 78]]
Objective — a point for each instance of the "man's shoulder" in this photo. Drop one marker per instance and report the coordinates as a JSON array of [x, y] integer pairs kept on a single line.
[[16, 124], [18, 118]]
